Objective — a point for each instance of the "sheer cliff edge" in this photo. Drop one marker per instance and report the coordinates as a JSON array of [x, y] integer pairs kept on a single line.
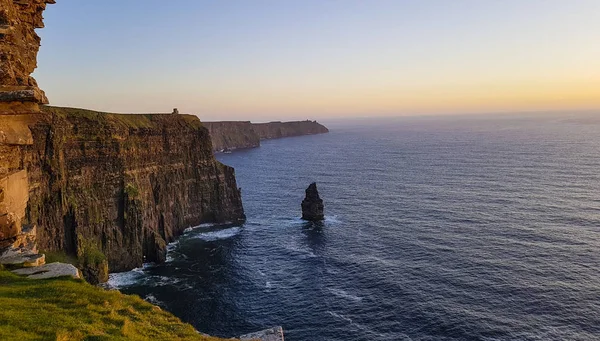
[[128, 183]]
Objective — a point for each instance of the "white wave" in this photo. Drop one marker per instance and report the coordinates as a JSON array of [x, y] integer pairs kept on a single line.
[[218, 234], [124, 279], [329, 220], [159, 281], [340, 316], [332, 219], [303, 251], [152, 299], [192, 228], [344, 294], [171, 247]]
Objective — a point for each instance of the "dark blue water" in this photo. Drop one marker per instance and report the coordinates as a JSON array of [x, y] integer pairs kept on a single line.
[[437, 229]]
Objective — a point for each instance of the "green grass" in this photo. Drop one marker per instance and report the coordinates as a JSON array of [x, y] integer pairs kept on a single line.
[[59, 256], [68, 309], [135, 121]]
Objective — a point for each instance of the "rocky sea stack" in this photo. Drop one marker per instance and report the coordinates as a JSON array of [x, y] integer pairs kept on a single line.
[[312, 205]]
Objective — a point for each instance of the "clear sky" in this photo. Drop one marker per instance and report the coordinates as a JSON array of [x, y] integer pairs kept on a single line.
[[296, 59]]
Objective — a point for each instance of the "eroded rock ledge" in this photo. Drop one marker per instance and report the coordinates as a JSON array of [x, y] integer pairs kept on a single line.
[[229, 135]]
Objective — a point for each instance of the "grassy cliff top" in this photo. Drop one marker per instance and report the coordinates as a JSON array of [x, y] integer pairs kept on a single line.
[[68, 309], [135, 121]]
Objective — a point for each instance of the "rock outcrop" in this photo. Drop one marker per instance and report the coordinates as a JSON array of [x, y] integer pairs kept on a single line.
[[273, 334], [129, 184], [238, 135], [19, 45], [312, 205], [19, 103], [52, 270]]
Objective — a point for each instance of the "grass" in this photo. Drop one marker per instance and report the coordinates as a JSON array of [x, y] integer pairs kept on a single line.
[[68, 309], [59, 256], [135, 121]]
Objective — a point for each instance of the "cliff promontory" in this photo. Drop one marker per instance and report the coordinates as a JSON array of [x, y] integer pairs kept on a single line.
[[232, 135], [128, 184], [276, 130], [238, 135]]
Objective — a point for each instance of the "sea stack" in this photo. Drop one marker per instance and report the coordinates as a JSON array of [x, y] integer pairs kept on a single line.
[[312, 205]]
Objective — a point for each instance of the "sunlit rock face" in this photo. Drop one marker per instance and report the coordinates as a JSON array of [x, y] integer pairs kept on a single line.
[[19, 46], [19, 97]]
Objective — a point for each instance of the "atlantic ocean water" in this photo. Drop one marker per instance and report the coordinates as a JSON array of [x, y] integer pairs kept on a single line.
[[448, 228]]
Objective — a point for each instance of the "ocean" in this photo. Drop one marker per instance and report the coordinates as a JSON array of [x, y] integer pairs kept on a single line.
[[447, 228]]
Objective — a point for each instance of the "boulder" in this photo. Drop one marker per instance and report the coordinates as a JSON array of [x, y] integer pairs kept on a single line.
[[312, 205], [273, 334], [52, 270]]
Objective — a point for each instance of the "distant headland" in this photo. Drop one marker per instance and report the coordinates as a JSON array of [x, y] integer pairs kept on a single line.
[[230, 135]]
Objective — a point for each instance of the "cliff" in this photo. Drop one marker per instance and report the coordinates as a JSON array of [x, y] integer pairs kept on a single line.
[[275, 130], [128, 184], [232, 135], [237, 135]]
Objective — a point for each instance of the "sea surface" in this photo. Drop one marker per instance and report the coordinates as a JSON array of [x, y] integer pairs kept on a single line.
[[448, 228]]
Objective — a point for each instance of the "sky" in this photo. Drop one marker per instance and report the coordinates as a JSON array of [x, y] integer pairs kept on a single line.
[[299, 59]]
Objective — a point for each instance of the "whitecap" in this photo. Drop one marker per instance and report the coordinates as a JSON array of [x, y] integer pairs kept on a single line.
[[152, 299], [344, 294], [124, 279], [295, 248], [332, 219], [218, 234], [205, 225], [340, 316]]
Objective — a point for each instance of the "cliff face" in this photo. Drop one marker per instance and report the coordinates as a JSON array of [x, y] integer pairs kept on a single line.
[[237, 135], [128, 183], [232, 135], [275, 130], [19, 45]]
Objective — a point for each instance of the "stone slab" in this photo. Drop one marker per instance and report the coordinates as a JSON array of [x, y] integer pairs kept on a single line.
[[22, 94], [273, 334], [52, 270]]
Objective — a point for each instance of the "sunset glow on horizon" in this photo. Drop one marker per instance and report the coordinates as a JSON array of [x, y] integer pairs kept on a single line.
[[262, 60]]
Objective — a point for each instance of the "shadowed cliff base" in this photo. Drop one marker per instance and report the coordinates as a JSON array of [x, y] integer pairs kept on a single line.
[[230, 135], [128, 184]]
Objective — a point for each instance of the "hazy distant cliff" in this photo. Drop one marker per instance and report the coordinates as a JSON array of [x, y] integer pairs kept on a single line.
[[275, 130], [128, 183], [232, 135], [236, 135]]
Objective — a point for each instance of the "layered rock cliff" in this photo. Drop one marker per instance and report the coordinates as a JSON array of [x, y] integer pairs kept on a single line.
[[237, 135], [129, 184], [232, 135]]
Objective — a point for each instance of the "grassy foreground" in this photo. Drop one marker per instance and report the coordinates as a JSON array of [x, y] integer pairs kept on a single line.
[[68, 309]]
